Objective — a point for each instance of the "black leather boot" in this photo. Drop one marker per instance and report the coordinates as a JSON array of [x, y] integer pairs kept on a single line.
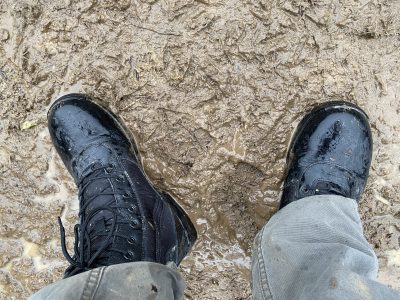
[[123, 218], [330, 153]]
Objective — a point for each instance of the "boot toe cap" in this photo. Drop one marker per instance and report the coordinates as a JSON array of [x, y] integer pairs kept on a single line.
[[74, 121]]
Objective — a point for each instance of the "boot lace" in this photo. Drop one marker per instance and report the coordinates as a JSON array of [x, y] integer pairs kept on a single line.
[[88, 255]]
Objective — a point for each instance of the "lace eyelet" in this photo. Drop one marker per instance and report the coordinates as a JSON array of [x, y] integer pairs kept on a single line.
[[131, 240], [305, 189], [132, 209], [120, 178], [109, 169], [135, 224], [126, 196], [129, 255]]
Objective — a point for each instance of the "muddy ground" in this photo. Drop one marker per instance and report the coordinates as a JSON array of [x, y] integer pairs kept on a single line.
[[213, 90]]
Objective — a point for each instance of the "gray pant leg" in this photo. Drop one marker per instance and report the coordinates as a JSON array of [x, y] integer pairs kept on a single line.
[[137, 280], [314, 248]]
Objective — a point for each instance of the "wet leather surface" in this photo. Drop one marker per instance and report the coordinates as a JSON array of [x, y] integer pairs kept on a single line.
[[330, 153]]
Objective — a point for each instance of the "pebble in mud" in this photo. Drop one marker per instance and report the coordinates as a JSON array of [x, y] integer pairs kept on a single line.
[[4, 35]]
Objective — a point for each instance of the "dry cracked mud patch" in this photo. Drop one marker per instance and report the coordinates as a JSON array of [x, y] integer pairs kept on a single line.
[[213, 90]]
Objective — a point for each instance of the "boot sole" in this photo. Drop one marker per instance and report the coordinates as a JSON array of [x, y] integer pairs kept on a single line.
[[177, 209]]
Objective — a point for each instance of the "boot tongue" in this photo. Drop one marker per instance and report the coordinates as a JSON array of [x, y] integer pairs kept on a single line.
[[99, 221], [327, 179], [109, 222]]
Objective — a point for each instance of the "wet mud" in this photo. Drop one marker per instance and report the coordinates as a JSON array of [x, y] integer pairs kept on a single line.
[[213, 91]]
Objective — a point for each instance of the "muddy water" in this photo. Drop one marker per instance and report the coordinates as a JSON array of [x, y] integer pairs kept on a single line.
[[213, 90]]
